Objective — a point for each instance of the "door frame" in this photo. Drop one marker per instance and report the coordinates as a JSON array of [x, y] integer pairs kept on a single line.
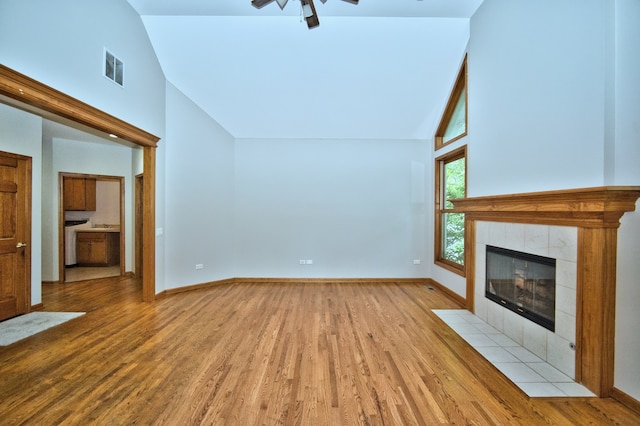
[[61, 231], [35, 97], [138, 219]]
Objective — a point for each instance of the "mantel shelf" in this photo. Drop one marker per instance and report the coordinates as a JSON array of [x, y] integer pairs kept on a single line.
[[600, 207], [596, 213]]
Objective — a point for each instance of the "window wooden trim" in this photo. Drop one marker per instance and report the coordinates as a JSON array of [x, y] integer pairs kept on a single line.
[[458, 87], [439, 210]]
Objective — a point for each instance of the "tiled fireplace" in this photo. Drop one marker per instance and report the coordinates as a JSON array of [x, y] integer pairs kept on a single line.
[[578, 228], [557, 347]]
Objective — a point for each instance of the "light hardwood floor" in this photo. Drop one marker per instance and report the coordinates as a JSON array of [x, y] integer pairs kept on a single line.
[[265, 353], [82, 273]]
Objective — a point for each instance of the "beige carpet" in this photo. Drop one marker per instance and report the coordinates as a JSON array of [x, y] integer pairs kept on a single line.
[[23, 326]]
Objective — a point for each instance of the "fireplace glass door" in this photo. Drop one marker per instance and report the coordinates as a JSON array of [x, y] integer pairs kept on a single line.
[[524, 283]]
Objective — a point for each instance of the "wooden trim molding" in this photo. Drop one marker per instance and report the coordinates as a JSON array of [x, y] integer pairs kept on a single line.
[[44, 99], [178, 290], [600, 207], [459, 86], [261, 280], [626, 400], [31, 92], [419, 281], [596, 212], [149, 225], [451, 294]]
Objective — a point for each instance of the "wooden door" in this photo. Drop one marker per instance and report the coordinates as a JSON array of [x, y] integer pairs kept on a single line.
[[15, 232]]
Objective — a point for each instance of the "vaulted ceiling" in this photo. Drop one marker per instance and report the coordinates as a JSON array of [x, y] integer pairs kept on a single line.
[[377, 70]]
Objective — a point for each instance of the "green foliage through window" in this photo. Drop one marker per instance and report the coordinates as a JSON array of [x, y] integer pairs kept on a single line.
[[450, 224], [453, 223], [454, 180], [453, 237]]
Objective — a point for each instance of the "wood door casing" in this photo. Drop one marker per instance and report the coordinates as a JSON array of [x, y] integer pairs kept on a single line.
[[30, 93], [68, 189], [15, 235], [139, 215]]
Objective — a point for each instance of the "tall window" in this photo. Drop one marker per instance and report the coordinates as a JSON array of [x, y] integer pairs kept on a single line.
[[451, 178], [451, 183], [453, 124]]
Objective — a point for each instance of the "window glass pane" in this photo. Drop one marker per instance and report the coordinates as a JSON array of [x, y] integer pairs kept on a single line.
[[454, 181], [453, 237], [458, 122]]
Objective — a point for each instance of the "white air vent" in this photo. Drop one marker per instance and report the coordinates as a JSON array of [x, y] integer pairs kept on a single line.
[[113, 68]]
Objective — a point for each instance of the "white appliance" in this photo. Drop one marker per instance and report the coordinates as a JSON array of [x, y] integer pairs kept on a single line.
[[70, 240]]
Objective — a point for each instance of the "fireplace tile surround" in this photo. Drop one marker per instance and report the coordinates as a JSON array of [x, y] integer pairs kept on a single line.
[[590, 217], [557, 242]]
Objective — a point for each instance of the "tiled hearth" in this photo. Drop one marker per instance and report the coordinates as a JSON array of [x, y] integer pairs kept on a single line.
[[530, 373]]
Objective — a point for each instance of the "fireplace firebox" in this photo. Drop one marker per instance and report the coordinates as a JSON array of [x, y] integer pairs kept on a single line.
[[523, 283]]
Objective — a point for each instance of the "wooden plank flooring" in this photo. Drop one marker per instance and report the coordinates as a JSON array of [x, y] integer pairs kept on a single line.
[[259, 353]]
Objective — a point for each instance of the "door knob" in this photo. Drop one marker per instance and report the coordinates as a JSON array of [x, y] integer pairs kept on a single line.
[[21, 244]]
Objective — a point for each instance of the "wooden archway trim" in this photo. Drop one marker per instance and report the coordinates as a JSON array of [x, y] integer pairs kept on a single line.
[[43, 98], [31, 92]]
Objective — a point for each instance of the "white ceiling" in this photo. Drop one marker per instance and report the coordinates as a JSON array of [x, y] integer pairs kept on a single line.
[[370, 8], [379, 69]]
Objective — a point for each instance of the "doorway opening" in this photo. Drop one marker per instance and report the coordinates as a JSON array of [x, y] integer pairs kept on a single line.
[[46, 101], [92, 224]]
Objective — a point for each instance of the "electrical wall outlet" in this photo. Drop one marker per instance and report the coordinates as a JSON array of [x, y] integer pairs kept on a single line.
[[416, 261], [309, 261], [303, 262], [199, 266]]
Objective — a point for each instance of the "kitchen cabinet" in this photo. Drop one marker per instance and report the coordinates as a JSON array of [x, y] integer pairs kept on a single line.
[[97, 248], [79, 194]]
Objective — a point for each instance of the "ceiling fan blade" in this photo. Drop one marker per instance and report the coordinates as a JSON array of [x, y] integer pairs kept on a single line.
[[258, 4], [351, 1], [311, 18], [282, 3]]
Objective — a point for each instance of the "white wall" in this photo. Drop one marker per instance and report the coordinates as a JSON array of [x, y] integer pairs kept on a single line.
[[354, 207], [61, 44], [553, 104], [21, 133], [627, 172], [199, 195], [536, 96], [108, 202]]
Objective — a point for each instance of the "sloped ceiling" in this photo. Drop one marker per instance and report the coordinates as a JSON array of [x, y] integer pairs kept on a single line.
[[378, 70]]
